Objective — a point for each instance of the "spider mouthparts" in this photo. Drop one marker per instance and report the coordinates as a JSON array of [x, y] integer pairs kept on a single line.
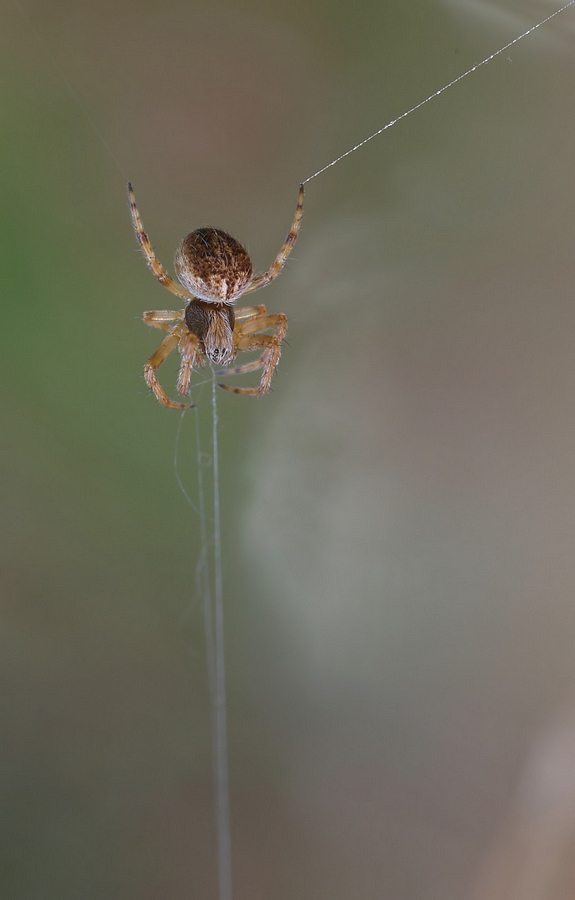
[[220, 355]]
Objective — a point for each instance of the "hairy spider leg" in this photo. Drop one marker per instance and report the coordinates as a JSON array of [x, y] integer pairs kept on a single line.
[[153, 262], [278, 263], [188, 346], [248, 312], [248, 336], [156, 359], [164, 319], [260, 323], [257, 321]]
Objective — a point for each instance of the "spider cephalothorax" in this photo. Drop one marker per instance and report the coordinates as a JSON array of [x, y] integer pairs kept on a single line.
[[215, 270], [213, 325]]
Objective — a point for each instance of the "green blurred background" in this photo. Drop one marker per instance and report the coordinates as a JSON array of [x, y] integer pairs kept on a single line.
[[398, 515]]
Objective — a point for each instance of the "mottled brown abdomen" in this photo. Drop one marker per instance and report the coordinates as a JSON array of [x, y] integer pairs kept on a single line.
[[213, 266]]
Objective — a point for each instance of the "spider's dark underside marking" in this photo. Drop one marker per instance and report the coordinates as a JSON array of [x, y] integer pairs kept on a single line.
[[215, 271], [197, 317]]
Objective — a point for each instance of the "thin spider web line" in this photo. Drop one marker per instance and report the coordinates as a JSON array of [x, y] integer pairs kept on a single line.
[[177, 466], [203, 574], [220, 714], [214, 637], [441, 90], [212, 601]]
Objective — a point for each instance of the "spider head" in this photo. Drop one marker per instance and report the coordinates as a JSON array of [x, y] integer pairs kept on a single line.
[[213, 266]]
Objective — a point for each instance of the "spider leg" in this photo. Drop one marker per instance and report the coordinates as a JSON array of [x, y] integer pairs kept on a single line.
[[156, 359], [164, 319], [269, 358], [259, 323], [249, 343], [278, 263], [154, 264], [248, 312], [187, 346]]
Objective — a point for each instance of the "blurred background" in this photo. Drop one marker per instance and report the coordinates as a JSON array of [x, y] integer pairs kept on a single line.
[[398, 515]]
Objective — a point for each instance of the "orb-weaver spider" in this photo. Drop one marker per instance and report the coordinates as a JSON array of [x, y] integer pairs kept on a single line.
[[215, 271]]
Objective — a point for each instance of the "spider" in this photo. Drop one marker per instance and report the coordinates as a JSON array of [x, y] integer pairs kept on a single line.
[[215, 271]]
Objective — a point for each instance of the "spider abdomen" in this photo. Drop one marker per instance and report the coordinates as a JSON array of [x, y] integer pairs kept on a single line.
[[213, 266]]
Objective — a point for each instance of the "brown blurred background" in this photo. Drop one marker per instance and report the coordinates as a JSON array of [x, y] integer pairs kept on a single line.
[[398, 515]]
